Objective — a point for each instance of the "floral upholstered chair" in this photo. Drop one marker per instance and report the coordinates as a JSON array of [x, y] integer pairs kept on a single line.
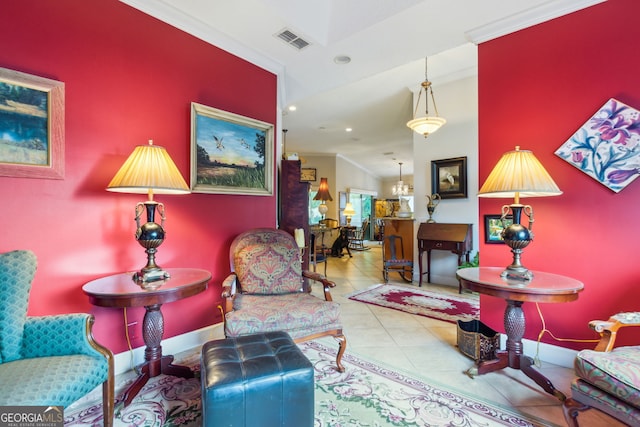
[[608, 377], [265, 291], [46, 360]]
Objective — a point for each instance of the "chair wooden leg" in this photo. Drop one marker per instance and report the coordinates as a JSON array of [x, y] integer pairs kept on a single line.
[[108, 396], [571, 408], [342, 346]]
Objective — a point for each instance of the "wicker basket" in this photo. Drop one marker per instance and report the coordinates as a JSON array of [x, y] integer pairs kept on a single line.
[[477, 341]]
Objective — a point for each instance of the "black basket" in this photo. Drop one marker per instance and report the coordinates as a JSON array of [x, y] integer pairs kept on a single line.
[[477, 341]]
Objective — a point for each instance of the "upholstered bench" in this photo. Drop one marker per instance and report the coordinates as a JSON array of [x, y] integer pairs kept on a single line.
[[255, 381]]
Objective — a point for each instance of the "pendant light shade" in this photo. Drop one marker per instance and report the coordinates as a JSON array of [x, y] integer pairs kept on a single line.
[[428, 124]]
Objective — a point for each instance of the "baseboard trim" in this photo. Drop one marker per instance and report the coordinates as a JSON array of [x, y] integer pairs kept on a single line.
[[548, 353], [125, 361]]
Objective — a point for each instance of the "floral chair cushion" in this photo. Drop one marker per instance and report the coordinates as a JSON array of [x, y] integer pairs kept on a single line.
[[268, 262], [616, 372], [300, 314]]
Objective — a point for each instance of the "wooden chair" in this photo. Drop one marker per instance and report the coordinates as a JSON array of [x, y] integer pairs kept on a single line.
[[356, 242], [47, 360], [264, 291], [393, 259], [608, 378]]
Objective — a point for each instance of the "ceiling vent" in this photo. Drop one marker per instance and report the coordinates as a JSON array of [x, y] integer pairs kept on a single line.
[[292, 39]]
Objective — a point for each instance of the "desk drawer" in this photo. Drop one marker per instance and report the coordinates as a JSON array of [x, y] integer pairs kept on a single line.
[[441, 244]]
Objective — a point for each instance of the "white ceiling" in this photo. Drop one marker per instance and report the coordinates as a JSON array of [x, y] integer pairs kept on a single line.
[[387, 41]]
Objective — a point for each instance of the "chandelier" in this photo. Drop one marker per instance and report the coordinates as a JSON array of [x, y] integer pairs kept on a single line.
[[400, 189], [426, 125]]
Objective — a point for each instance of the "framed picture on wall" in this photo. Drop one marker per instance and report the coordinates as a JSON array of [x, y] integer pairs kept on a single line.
[[493, 227], [308, 174], [230, 154], [449, 178], [342, 200], [31, 126]]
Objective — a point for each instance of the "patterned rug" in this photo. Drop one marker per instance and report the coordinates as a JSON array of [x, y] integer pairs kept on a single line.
[[411, 299], [366, 394]]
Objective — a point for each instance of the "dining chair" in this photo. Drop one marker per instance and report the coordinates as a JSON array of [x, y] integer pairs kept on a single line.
[[393, 258]]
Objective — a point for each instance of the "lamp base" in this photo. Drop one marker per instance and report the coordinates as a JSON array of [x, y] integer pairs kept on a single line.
[[150, 276], [519, 274]]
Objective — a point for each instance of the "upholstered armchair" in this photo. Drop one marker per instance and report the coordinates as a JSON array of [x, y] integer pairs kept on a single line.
[[46, 360], [608, 378], [265, 291]]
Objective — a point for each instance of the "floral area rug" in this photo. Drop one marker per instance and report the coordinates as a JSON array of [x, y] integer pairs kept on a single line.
[[450, 308], [366, 394]]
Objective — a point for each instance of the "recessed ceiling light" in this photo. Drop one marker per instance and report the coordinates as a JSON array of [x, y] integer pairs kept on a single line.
[[348, 129], [342, 59], [292, 108]]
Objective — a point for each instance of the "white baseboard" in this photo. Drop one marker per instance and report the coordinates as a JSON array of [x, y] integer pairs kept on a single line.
[[547, 352], [123, 361]]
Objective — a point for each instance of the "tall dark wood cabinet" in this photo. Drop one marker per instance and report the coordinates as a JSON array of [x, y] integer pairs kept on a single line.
[[294, 203]]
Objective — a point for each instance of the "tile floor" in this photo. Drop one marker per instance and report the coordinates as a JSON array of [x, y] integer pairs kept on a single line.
[[427, 347]]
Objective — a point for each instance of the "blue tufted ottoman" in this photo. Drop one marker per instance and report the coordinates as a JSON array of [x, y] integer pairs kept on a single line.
[[256, 381]]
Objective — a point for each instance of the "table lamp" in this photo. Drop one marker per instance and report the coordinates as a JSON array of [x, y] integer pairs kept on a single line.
[[348, 212], [323, 195], [518, 174], [149, 170]]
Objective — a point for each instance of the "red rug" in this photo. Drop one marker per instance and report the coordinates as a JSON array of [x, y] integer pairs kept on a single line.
[[410, 299]]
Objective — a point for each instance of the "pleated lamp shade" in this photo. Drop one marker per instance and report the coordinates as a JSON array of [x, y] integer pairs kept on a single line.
[[517, 174], [149, 167]]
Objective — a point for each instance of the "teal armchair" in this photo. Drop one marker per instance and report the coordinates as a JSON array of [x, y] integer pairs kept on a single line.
[[46, 360]]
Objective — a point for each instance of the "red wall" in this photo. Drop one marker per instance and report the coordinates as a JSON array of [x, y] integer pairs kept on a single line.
[[129, 78], [536, 88]]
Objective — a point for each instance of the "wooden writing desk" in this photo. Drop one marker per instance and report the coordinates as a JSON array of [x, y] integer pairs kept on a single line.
[[457, 238]]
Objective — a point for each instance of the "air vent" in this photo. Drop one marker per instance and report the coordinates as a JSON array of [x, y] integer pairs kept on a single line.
[[292, 39]]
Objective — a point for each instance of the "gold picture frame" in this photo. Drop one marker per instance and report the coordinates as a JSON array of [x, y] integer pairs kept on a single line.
[[230, 154], [31, 126], [308, 175]]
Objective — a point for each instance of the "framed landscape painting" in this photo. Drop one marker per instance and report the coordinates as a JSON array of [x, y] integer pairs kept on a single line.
[[31, 126], [230, 154]]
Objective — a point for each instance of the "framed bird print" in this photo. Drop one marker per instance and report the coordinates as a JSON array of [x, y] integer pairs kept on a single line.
[[230, 154], [449, 178]]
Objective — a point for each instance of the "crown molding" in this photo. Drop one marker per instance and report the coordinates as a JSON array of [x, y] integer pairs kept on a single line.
[[536, 15], [178, 19]]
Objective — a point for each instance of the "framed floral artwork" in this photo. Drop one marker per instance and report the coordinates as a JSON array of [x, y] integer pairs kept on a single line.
[[606, 147]]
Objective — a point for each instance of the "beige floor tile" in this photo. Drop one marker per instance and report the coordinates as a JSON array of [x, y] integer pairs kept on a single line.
[[427, 347]]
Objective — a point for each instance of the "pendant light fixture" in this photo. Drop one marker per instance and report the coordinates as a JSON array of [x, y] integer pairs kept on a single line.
[[400, 189], [426, 125]]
